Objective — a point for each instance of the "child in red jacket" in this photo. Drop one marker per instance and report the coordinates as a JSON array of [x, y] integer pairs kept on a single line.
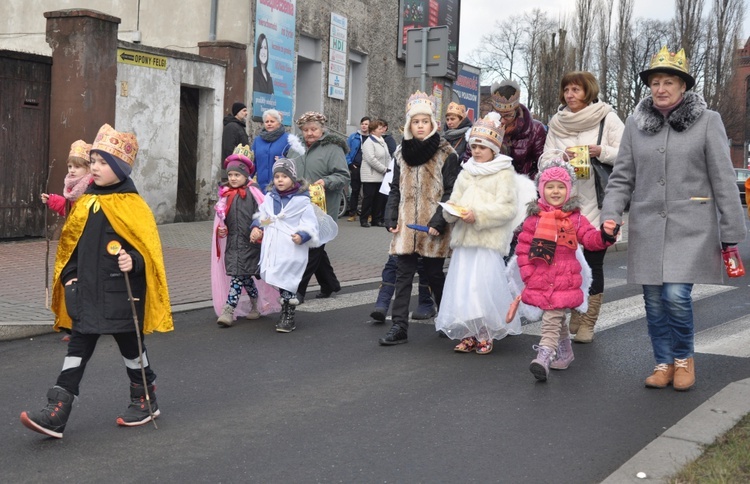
[[551, 262], [77, 180]]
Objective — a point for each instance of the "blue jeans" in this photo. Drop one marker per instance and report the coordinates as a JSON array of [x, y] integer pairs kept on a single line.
[[669, 312]]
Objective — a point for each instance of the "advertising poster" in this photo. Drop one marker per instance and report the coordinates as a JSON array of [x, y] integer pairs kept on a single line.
[[417, 14], [273, 65], [466, 89]]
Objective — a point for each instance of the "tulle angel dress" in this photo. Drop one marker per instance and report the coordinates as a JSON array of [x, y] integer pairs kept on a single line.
[[476, 296]]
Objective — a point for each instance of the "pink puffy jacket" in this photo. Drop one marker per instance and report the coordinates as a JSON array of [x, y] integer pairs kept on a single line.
[[556, 285]]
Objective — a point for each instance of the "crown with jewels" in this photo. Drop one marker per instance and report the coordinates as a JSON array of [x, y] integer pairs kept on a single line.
[[418, 101], [488, 130], [80, 149], [120, 144], [245, 151], [504, 104], [666, 59]]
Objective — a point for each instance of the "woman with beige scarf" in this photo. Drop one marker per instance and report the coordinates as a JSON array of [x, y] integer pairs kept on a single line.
[[578, 122]]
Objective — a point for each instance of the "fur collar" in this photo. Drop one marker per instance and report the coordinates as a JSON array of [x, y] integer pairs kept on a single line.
[[573, 203], [415, 152], [331, 139], [650, 120]]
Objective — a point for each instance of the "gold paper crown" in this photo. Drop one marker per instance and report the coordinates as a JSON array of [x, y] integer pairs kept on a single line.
[[244, 150], [121, 145], [419, 99], [489, 129], [670, 60], [80, 149], [456, 109]]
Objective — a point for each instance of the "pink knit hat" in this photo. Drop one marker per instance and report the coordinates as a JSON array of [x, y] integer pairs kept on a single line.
[[555, 170]]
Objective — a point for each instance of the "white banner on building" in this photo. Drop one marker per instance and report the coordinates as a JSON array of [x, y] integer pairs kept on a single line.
[[337, 57]]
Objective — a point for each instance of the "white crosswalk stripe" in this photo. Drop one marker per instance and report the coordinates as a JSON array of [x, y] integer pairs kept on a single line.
[[628, 309], [729, 339]]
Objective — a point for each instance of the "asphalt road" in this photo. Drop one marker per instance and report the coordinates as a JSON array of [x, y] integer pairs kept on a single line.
[[327, 404]]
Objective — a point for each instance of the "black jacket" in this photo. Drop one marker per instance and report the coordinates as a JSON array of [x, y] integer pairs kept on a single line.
[[233, 135], [98, 302], [242, 256]]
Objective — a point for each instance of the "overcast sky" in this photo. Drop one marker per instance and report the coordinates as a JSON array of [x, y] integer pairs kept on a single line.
[[478, 17]]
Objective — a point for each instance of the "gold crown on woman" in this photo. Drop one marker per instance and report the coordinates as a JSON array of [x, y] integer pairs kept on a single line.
[[667, 59], [420, 99]]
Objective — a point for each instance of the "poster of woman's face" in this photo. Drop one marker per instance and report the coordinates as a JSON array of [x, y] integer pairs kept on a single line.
[[262, 79]]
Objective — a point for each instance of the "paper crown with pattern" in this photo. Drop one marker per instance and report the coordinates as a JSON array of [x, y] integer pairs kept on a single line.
[[488, 132], [121, 145], [420, 103], [244, 150], [80, 149], [456, 109], [670, 63], [504, 104]]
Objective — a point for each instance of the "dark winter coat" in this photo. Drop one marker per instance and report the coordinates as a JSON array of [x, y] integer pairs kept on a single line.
[[458, 139], [525, 143], [677, 174], [418, 185], [98, 302], [235, 133], [241, 256], [325, 159]]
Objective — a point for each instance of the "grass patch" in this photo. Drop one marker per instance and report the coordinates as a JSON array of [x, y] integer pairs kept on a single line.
[[725, 461]]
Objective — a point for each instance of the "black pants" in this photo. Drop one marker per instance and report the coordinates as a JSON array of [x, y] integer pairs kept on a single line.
[[596, 262], [319, 264], [406, 267], [81, 348], [356, 184], [373, 202]]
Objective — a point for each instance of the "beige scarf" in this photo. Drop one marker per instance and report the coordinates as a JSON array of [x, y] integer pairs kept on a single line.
[[566, 123]]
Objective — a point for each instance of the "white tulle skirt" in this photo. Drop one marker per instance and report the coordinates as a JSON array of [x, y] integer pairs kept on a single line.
[[476, 296]]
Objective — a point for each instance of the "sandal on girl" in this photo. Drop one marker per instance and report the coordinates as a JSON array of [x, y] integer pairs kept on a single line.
[[467, 345], [484, 347]]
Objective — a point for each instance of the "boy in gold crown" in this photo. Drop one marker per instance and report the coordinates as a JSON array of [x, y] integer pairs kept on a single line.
[[109, 232], [426, 166]]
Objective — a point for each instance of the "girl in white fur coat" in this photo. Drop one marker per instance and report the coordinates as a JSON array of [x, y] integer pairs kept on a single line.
[[486, 205]]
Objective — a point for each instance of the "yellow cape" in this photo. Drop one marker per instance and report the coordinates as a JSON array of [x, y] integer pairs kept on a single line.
[[132, 220]]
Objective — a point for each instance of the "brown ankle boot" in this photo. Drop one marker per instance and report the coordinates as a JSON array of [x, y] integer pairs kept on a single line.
[[661, 377], [585, 332], [684, 374]]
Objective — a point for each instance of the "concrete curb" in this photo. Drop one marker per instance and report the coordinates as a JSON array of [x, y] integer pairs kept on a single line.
[[685, 441]]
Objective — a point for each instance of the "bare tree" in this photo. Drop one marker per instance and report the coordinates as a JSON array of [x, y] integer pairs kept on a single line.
[[605, 36], [624, 28], [583, 27], [537, 26], [498, 57], [648, 37], [688, 20]]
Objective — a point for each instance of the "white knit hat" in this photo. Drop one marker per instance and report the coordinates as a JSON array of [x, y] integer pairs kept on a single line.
[[488, 132], [420, 103]]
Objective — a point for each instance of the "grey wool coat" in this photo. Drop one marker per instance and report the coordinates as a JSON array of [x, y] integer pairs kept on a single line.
[[325, 160], [678, 177]]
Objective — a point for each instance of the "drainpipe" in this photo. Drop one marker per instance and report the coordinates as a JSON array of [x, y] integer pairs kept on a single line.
[[212, 27]]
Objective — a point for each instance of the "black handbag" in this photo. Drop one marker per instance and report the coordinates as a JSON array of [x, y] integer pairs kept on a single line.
[[601, 171]]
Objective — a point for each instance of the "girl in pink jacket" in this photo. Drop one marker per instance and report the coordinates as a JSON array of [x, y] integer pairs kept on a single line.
[[77, 180], [551, 262]]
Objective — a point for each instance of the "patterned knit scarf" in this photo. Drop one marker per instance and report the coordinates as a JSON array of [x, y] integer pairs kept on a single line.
[[75, 186], [554, 229]]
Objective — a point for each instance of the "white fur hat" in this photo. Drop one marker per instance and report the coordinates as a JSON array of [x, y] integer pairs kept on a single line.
[[420, 103]]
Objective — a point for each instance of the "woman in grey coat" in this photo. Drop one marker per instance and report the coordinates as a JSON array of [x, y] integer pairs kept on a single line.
[[674, 169]]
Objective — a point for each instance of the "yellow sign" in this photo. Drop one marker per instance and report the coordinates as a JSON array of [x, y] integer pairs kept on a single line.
[[141, 59], [113, 247]]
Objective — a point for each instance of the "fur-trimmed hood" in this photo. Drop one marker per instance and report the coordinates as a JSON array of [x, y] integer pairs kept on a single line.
[[329, 138], [533, 208], [650, 120]]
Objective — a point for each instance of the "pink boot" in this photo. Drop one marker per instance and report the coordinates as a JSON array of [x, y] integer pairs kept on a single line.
[[540, 365], [564, 355]]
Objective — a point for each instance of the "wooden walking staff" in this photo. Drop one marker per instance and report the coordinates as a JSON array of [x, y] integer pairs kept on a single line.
[[46, 237], [114, 248]]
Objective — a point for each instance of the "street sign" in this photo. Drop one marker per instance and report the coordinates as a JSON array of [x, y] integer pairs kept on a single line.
[[337, 57], [142, 59], [435, 55]]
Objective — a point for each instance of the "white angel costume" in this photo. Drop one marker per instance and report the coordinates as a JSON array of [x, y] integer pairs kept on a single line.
[[282, 262], [476, 297]]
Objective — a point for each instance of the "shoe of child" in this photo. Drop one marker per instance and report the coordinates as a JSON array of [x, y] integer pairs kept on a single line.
[[254, 313], [137, 412], [51, 420], [540, 365], [564, 355], [226, 319]]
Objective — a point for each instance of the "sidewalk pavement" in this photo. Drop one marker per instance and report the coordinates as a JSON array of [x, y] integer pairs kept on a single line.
[[357, 254]]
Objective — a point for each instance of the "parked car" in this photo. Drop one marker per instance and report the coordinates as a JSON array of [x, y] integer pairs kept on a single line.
[[742, 174]]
